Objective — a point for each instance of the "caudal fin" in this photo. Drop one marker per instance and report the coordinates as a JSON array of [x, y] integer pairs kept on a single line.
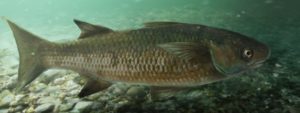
[[28, 44]]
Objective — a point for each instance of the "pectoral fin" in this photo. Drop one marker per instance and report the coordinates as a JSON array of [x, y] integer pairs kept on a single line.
[[190, 51], [93, 86]]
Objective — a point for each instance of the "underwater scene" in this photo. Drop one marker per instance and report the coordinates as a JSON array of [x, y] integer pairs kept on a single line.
[[149, 56]]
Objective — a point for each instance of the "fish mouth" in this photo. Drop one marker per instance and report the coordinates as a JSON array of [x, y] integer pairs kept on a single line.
[[257, 64]]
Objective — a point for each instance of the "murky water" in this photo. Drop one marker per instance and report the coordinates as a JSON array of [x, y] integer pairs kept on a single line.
[[272, 88]]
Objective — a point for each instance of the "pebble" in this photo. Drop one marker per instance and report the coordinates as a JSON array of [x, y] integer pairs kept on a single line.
[[52, 90], [119, 104], [95, 96], [83, 106], [17, 100], [8, 72], [275, 74], [104, 98], [59, 81], [118, 89], [277, 65], [4, 110], [19, 108], [51, 75], [66, 107], [5, 98], [169, 105], [10, 83], [269, 1], [44, 108], [48, 99], [11, 62], [29, 110], [70, 85], [137, 92], [97, 106], [79, 80], [37, 87]]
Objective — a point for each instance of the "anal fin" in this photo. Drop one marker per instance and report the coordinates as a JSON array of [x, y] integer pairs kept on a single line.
[[92, 86]]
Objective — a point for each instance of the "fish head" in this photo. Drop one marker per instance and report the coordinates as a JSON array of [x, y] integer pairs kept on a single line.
[[237, 54]]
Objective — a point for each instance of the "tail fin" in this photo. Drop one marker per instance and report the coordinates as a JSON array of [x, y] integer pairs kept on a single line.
[[30, 66]]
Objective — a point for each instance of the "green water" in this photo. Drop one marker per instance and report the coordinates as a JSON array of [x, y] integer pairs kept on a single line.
[[272, 88]]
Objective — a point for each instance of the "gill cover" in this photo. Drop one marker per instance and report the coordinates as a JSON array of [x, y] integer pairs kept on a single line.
[[225, 59]]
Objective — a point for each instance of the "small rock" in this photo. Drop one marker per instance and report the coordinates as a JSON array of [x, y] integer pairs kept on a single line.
[[5, 98], [7, 72], [38, 87], [30, 110], [4, 110], [269, 1], [66, 107], [137, 93], [59, 81], [121, 104], [258, 89], [19, 109], [95, 96], [83, 106], [79, 80], [49, 76], [97, 106], [70, 85], [49, 99], [17, 100], [73, 92], [11, 62], [275, 74], [52, 90], [44, 108], [10, 83], [118, 89], [169, 104], [277, 65], [72, 100], [104, 98]]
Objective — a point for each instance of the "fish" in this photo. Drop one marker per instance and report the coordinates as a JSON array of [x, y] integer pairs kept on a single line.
[[162, 55]]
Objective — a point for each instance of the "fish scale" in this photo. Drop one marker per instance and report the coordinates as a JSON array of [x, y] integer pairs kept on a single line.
[[146, 69]]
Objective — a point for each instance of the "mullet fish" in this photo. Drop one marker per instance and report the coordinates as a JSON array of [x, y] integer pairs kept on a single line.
[[161, 54]]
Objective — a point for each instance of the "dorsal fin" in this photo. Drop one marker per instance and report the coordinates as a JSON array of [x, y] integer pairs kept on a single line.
[[163, 24], [88, 29]]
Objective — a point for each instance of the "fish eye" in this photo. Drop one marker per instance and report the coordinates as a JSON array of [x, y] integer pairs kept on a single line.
[[247, 53]]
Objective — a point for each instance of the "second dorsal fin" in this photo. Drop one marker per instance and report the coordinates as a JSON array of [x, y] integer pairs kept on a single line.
[[88, 29]]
